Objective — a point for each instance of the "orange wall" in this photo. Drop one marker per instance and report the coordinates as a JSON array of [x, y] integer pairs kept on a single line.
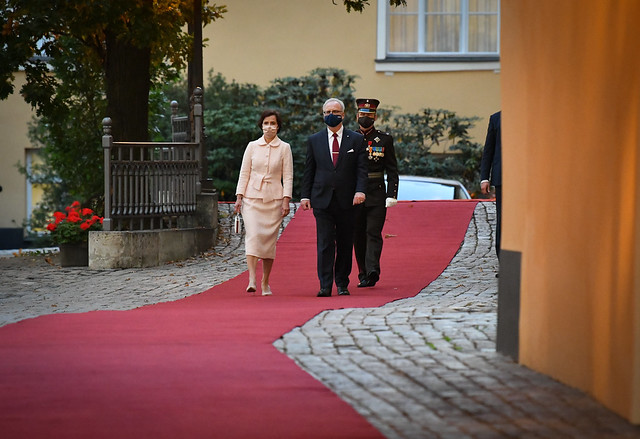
[[571, 136]]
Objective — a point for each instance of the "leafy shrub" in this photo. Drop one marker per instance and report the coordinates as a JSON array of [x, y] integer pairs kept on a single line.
[[416, 134], [73, 154], [232, 110], [300, 100]]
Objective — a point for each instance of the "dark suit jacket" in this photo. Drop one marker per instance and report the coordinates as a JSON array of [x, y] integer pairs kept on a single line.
[[491, 165], [321, 179]]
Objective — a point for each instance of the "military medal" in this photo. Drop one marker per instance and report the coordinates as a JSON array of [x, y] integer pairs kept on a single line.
[[375, 152]]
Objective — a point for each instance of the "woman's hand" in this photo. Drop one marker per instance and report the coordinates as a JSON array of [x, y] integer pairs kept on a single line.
[[285, 206], [238, 205]]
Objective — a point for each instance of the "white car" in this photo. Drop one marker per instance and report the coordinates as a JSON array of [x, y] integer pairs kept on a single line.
[[414, 188]]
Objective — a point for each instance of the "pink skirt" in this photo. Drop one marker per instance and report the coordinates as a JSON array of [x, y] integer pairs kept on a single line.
[[261, 224]]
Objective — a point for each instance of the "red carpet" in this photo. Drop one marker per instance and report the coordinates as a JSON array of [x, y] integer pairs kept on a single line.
[[204, 366]]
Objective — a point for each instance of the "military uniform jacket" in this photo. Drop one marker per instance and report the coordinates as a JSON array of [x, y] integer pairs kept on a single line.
[[381, 158]]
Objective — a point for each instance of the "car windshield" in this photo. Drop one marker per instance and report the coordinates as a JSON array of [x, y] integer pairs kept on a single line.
[[424, 190]]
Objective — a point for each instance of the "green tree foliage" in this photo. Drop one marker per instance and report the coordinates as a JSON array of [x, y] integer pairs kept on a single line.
[[232, 111], [136, 43], [415, 135], [73, 159], [359, 5], [83, 60], [69, 139], [300, 100]]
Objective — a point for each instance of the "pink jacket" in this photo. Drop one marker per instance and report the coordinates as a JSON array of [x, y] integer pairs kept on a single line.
[[267, 170]]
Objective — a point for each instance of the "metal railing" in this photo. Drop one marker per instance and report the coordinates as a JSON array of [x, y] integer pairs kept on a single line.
[[152, 185], [180, 126]]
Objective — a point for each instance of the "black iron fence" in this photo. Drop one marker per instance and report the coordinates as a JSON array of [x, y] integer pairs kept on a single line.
[[152, 185]]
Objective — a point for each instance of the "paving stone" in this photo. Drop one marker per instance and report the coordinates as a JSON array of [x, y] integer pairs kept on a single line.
[[423, 367], [456, 315]]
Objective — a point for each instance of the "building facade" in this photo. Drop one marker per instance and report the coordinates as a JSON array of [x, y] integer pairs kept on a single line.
[[17, 195], [429, 54]]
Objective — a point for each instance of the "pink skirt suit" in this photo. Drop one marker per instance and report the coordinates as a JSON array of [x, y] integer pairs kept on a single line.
[[266, 177]]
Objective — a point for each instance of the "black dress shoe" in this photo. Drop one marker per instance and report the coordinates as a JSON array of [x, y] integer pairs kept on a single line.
[[342, 291], [324, 292], [369, 281]]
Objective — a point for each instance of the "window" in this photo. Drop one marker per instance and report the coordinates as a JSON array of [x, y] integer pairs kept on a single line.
[[439, 31]]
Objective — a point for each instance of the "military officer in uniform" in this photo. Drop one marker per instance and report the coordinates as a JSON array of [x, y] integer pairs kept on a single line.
[[370, 216]]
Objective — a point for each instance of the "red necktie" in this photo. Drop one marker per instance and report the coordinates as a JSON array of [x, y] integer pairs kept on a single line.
[[335, 149]]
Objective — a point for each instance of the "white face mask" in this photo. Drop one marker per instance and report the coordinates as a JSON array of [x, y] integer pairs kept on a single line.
[[269, 130]]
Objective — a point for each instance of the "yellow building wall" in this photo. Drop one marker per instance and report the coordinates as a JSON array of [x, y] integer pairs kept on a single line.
[[257, 42], [15, 115], [571, 140]]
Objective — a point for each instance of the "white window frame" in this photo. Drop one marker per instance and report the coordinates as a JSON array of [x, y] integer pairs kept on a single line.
[[437, 62]]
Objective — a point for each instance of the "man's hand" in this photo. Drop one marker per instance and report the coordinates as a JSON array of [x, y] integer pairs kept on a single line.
[[390, 202], [485, 186], [305, 204], [358, 198]]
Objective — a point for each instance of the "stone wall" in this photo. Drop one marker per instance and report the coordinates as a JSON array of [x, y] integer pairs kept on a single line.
[[148, 248]]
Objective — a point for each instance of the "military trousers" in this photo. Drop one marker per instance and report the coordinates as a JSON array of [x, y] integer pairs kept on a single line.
[[367, 240]]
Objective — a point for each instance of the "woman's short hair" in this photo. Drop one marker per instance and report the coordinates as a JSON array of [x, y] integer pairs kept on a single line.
[[267, 113]]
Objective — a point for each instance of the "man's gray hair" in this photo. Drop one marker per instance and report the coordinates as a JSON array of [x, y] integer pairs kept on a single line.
[[328, 101]]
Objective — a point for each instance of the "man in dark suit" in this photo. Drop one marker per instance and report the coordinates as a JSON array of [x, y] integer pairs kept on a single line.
[[335, 179], [491, 169], [370, 216]]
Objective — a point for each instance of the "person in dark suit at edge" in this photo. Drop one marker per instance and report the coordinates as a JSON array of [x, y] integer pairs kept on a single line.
[[334, 181], [370, 216], [491, 169]]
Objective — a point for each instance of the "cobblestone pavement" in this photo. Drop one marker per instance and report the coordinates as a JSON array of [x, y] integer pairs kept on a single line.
[[426, 367], [423, 367], [34, 284]]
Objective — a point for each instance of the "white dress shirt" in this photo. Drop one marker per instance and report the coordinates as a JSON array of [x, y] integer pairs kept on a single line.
[[330, 134]]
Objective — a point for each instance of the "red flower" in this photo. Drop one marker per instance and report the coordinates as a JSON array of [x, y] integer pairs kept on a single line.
[[74, 226], [74, 216], [59, 216]]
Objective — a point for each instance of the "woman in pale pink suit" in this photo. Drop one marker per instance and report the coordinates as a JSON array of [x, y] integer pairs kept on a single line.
[[263, 193]]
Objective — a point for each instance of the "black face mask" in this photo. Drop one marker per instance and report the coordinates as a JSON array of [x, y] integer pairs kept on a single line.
[[365, 122], [333, 120]]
